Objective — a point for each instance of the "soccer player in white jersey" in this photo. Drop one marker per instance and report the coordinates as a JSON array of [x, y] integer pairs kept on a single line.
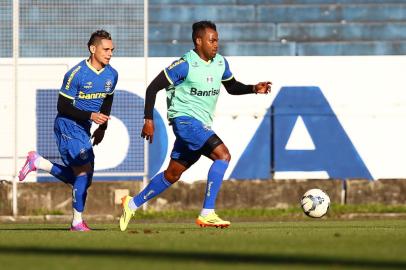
[[86, 96], [192, 86]]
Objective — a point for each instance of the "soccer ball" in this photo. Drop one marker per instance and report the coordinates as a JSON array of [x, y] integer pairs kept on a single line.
[[315, 203]]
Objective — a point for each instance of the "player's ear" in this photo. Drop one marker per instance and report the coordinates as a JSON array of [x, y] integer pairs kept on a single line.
[[199, 41], [92, 49]]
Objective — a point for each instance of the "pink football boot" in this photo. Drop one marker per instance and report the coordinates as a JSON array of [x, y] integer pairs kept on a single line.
[[81, 227], [29, 165]]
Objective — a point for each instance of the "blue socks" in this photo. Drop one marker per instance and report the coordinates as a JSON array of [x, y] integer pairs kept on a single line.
[[63, 173], [79, 191], [157, 184], [214, 181]]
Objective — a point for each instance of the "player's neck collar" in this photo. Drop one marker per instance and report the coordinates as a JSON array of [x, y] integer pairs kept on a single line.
[[92, 67], [204, 61]]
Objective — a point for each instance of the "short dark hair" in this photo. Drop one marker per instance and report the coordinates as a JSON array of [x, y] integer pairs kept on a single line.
[[199, 27], [97, 36]]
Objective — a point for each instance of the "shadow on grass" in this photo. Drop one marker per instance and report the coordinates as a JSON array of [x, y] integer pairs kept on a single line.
[[207, 257]]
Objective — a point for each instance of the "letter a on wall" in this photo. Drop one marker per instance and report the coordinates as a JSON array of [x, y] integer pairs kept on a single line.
[[326, 146]]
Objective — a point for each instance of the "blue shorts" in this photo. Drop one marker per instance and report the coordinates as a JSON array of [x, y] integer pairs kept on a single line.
[[74, 143], [191, 135]]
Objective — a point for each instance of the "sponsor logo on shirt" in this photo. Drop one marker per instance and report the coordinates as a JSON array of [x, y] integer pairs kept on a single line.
[[88, 85], [200, 93], [83, 95], [195, 64]]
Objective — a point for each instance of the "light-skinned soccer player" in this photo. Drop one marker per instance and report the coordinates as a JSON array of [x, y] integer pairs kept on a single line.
[[86, 96], [192, 86]]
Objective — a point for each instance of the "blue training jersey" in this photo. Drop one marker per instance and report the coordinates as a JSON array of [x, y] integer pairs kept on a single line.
[[88, 87]]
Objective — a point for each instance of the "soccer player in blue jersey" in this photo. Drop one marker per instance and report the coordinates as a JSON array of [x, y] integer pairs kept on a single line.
[[86, 96], [192, 86]]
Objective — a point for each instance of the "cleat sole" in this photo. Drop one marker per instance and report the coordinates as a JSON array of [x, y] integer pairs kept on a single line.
[[204, 225]]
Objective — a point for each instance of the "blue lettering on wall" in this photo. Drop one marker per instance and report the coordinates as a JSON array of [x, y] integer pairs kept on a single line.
[[129, 108], [334, 151], [255, 161]]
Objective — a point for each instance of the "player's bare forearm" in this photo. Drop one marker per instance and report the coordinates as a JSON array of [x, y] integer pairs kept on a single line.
[[263, 87], [148, 130], [99, 118]]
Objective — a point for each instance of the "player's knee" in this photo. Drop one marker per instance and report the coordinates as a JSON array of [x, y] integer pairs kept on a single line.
[[225, 156], [228, 157], [82, 170], [172, 176]]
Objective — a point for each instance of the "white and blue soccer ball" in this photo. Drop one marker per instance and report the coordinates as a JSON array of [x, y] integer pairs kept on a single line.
[[315, 203]]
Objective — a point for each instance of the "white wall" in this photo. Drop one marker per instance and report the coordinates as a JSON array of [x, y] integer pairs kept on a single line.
[[366, 93]]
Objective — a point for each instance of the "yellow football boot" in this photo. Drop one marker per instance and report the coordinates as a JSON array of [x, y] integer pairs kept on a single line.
[[127, 213], [212, 220]]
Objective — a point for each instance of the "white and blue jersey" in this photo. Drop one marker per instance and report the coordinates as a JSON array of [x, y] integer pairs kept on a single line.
[[87, 88]]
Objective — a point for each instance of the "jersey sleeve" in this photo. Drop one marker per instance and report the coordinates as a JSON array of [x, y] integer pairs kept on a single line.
[[227, 75], [114, 82], [70, 85], [177, 71]]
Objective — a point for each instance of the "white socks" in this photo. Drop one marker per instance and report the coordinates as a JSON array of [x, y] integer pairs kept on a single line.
[[77, 217], [131, 205], [206, 212], [43, 164]]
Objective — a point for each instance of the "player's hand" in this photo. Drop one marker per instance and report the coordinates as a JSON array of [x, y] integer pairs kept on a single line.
[[99, 118], [148, 130], [98, 136], [263, 87]]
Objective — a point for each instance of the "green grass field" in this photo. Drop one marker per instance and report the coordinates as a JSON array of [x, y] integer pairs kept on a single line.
[[302, 244]]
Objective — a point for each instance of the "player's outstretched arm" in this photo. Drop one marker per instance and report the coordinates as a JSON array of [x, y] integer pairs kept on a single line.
[[235, 87]]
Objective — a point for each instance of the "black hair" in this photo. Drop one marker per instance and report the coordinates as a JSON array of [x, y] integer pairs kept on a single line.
[[199, 27], [97, 36]]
